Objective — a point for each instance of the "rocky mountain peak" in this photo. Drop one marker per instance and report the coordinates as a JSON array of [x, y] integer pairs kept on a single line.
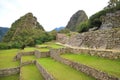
[[76, 19], [25, 25]]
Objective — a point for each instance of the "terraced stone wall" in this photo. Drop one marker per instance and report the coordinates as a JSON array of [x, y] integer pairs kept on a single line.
[[36, 53], [27, 63], [99, 75], [9, 71], [100, 53], [44, 73], [39, 54], [20, 54], [92, 52]]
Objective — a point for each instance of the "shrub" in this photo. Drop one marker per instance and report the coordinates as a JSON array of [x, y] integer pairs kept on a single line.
[[83, 27], [64, 31], [15, 45], [95, 21], [4, 46]]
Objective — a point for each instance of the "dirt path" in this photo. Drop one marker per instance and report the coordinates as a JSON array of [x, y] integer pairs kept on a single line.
[[66, 45]]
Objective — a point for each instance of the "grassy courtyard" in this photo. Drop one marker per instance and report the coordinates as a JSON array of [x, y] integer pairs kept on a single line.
[[7, 58], [112, 67], [61, 71]]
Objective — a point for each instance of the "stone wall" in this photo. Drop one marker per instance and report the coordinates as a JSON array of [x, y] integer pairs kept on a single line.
[[36, 53], [9, 71], [20, 54], [44, 72], [110, 20], [27, 63], [101, 53], [99, 75], [62, 38], [100, 39], [39, 54]]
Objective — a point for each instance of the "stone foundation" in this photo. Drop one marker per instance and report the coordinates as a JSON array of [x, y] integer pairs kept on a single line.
[[9, 71]]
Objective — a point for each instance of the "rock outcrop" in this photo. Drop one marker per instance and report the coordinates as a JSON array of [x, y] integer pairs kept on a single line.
[[111, 20], [100, 39], [76, 19]]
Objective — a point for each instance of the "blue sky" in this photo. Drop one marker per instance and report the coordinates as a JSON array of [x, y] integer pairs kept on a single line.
[[50, 13]]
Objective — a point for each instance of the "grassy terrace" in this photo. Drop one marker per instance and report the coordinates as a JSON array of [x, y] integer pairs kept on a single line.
[[30, 72], [6, 58], [51, 45], [28, 58], [110, 66], [61, 71], [11, 77], [44, 50], [43, 47], [56, 46], [28, 49]]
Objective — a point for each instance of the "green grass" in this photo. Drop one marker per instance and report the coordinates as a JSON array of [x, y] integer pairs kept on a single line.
[[56, 46], [28, 49], [44, 50], [11, 77], [61, 71], [112, 67], [51, 45], [30, 72], [6, 58], [28, 58], [42, 45]]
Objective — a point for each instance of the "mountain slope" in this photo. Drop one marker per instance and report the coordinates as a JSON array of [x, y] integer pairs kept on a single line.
[[24, 30], [59, 28], [3, 31]]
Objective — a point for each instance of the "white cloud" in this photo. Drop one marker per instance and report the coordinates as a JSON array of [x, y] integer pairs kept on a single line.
[[50, 13]]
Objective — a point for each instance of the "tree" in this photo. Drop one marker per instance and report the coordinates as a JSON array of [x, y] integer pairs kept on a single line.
[[113, 3]]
